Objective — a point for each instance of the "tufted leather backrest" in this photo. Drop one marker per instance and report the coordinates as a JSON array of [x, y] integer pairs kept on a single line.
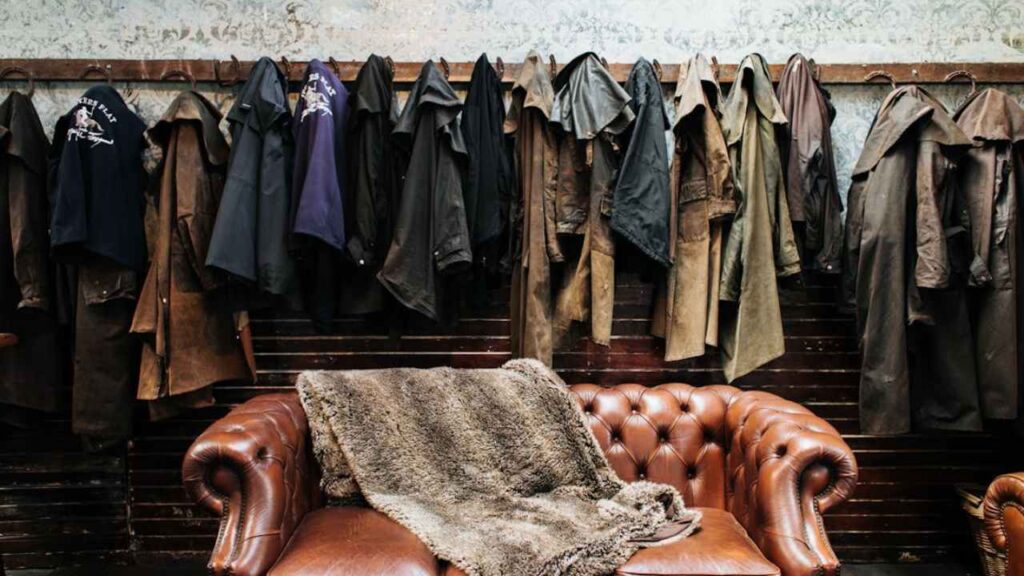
[[672, 433]]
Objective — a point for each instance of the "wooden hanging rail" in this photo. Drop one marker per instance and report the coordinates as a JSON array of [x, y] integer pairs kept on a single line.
[[227, 72]]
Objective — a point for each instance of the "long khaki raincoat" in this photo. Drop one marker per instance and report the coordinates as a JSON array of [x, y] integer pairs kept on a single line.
[[686, 309], [760, 244]]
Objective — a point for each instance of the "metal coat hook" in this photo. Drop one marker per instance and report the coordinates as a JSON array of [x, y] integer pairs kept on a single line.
[[881, 74], [715, 68], [815, 71], [335, 66], [235, 66], [659, 71], [286, 68], [391, 64], [499, 66], [554, 65], [28, 74], [177, 73], [446, 67], [963, 74], [97, 69], [604, 62]]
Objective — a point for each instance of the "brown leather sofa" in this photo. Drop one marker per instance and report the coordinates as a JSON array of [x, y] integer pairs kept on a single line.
[[762, 469], [1004, 519]]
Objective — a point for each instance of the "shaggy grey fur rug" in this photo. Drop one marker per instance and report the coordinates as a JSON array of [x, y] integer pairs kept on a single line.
[[495, 470]]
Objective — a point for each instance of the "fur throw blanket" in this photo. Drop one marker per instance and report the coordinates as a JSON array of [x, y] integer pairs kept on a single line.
[[495, 470]]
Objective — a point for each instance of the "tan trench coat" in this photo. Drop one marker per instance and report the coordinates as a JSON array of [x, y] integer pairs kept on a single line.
[[535, 242], [190, 333], [992, 178], [760, 244], [686, 309]]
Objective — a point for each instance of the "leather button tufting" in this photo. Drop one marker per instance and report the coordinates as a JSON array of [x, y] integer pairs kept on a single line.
[[691, 472]]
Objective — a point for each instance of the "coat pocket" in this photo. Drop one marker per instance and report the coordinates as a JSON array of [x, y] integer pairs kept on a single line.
[[693, 211], [103, 282]]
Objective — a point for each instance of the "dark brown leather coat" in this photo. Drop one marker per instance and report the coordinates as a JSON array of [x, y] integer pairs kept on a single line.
[[190, 339], [535, 242], [992, 179], [810, 171], [592, 110], [29, 376], [903, 270], [760, 244], [686, 310]]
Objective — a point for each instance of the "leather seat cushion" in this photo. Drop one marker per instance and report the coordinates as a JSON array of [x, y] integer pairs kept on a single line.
[[720, 548], [354, 541], [360, 541]]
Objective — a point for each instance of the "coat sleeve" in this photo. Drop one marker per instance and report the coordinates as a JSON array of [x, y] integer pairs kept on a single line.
[[367, 191], [932, 267], [198, 196], [451, 234], [27, 202]]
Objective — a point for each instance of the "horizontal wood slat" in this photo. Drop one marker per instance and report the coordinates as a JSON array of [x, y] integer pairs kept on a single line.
[[225, 71]]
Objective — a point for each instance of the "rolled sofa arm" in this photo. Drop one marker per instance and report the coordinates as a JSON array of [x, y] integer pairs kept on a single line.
[[1004, 519], [787, 467], [254, 468]]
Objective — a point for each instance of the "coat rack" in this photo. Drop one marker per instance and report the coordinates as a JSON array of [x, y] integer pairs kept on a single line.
[[233, 71]]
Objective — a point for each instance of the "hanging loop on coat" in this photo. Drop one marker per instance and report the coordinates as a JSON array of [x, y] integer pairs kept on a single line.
[[554, 65], [881, 74], [335, 66], [659, 70], [963, 74], [28, 74], [446, 67], [106, 71], [179, 73], [236, 67], [499, 67]]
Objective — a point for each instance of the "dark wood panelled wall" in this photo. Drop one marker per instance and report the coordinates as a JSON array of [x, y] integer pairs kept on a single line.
[[59, 504]]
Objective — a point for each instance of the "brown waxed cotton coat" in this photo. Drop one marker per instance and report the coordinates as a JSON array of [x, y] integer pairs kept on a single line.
[[29, 376], [535, 242], [992, 179], [760, 245], [190, 334], [592, 110], [812, 192], [904, 269], [686, 309]]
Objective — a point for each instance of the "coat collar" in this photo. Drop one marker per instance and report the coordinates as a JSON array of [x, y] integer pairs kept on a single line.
[[752, 81], [534, 83], [431, 89], [374, 89], [264, 95], [21, 132], [901, 110], [589, 100], [991, 115], [191, 106], [697, 88]]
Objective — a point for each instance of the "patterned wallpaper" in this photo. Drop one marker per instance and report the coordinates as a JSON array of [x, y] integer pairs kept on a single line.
[[671, 30]]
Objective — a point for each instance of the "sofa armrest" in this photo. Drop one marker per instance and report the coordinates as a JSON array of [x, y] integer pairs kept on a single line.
[[787, 467], [254, 469], [1004, 519]]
